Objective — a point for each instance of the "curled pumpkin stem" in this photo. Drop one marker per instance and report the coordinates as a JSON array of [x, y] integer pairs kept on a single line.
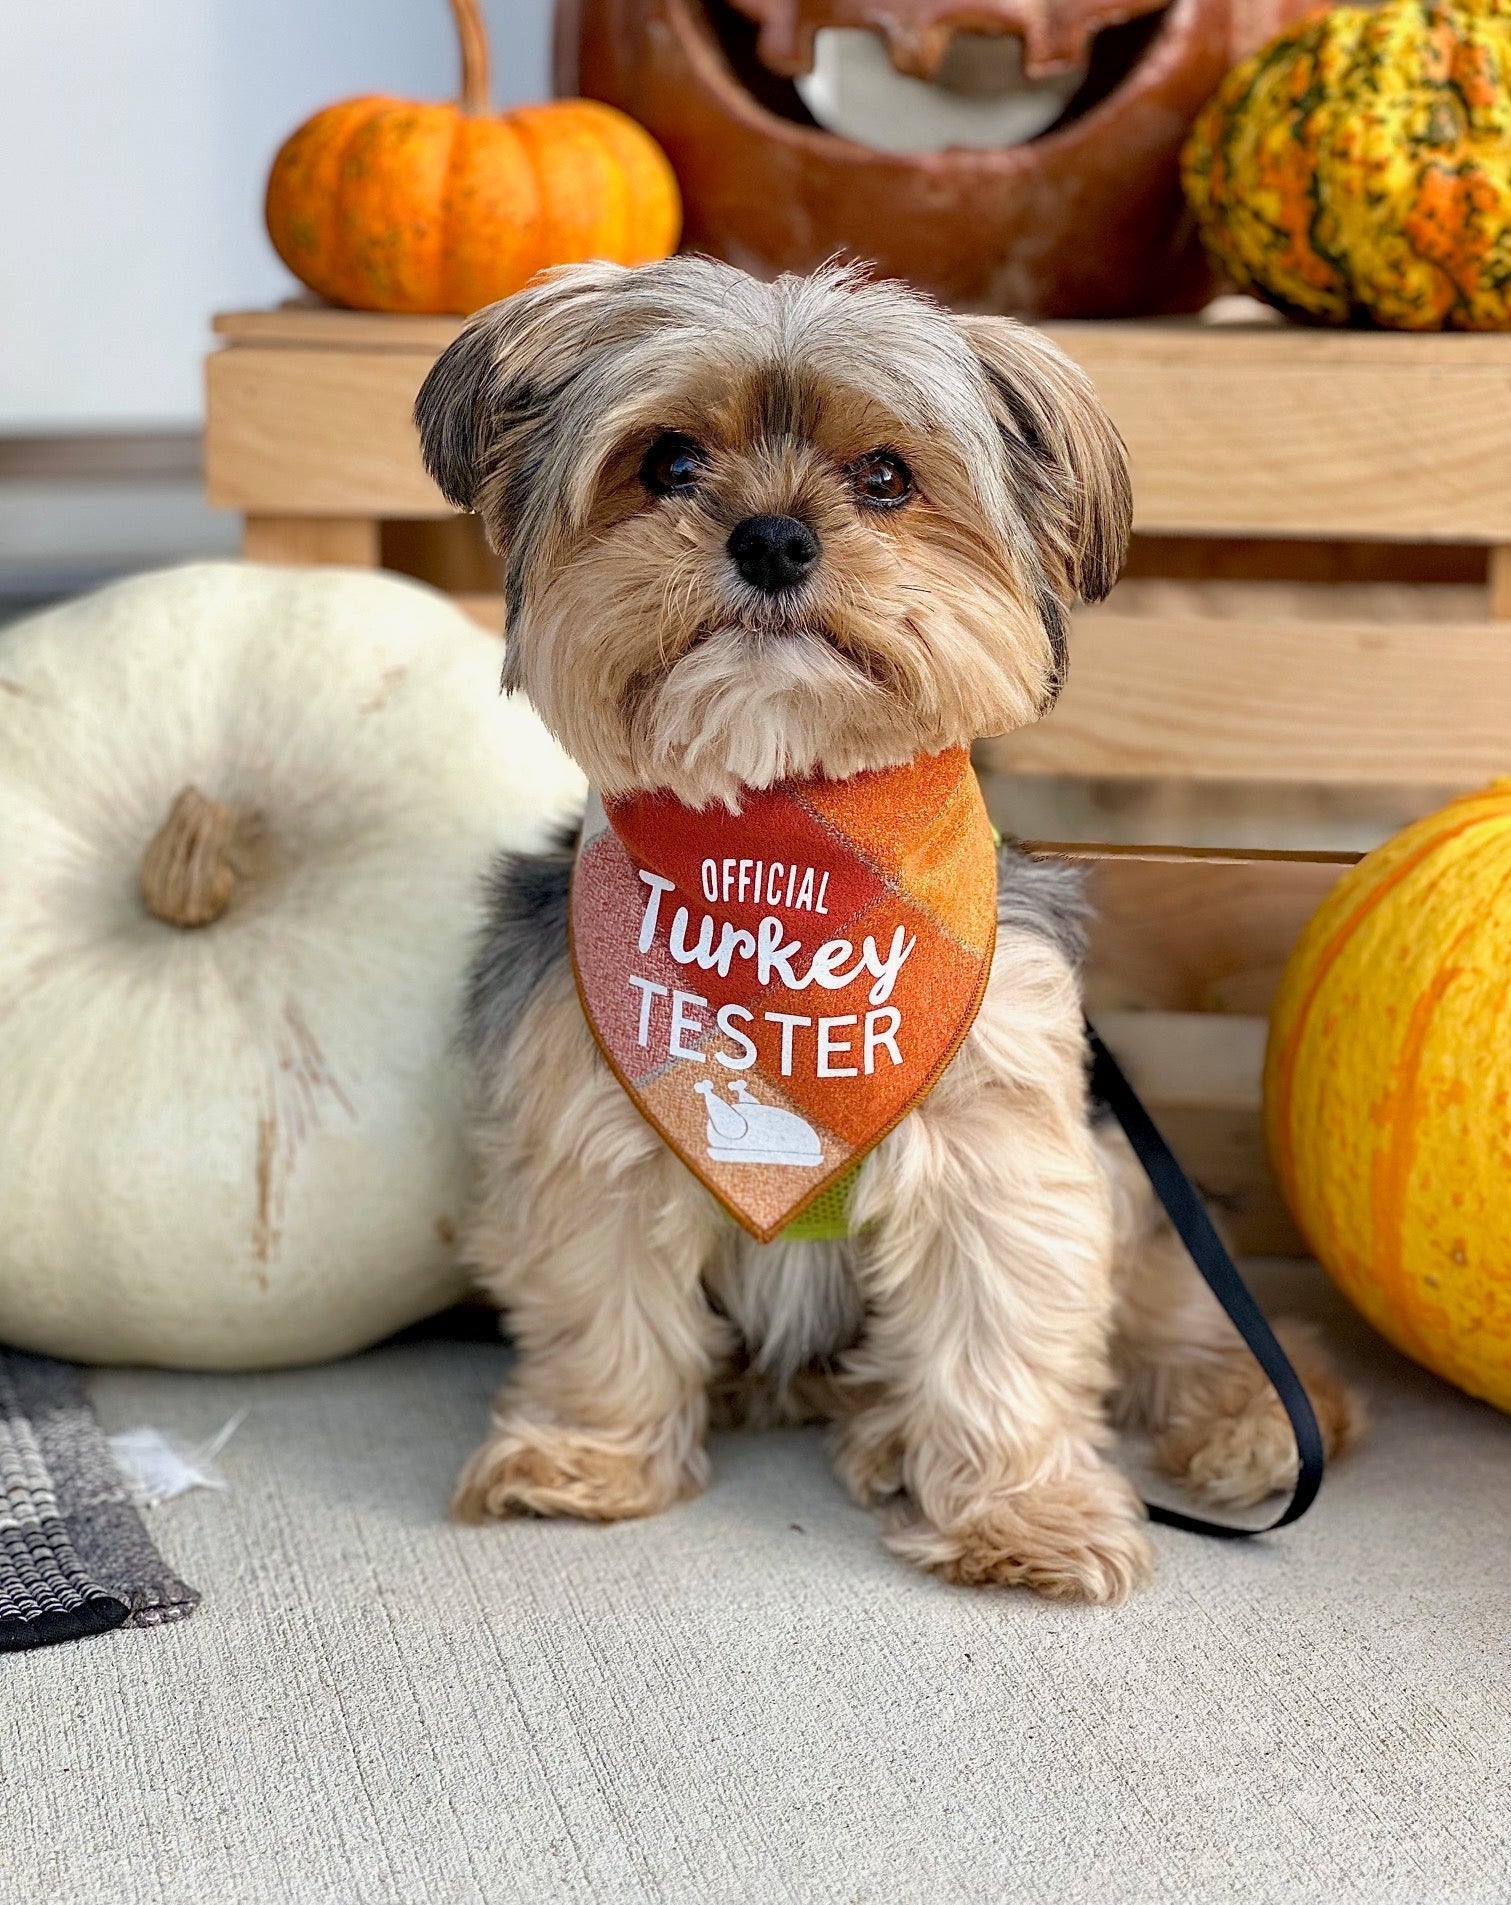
[[473, 35], [187, 878]]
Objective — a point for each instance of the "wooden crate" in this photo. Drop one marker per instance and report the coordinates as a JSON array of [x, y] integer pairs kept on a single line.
[[1260, 451]]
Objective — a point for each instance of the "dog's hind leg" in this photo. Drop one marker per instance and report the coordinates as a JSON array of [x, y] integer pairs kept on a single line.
[[985, 1260], [1185, 1375], [593, 1239]]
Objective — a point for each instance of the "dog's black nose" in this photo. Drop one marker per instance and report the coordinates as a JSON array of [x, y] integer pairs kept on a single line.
[[773, 552]]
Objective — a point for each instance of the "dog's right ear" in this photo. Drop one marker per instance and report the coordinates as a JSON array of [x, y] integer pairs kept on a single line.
[[488, 394], [451, 410]]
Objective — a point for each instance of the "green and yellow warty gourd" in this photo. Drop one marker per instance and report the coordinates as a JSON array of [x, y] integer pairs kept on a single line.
[[1357, 170]]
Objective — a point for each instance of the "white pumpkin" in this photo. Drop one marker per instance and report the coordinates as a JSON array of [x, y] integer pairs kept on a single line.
[[240, 1142]]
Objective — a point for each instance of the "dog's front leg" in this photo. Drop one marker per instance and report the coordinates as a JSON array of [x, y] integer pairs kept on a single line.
[[987, 1280], [592, 1238], [605, 1415]]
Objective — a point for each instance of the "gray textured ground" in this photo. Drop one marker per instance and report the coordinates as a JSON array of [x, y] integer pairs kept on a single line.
[[747, 1700]]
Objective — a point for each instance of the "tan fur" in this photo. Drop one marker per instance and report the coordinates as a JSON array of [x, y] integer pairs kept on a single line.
[[1185, 1375], [1005, 1270], [632, 634]]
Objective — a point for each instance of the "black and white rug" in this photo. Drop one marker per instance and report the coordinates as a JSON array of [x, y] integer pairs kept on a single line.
[[75, 1558]]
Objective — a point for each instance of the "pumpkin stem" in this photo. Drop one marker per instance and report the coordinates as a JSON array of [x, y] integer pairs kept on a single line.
[[187, 877], [473, 35]]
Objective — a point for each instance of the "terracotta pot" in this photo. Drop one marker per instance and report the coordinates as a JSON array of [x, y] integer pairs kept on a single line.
[[1084, 220]]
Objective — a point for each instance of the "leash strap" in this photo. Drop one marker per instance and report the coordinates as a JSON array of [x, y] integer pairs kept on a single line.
[[1184, 1208]]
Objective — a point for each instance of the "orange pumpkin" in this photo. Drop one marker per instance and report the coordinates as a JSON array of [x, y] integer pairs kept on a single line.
[[392, 205]]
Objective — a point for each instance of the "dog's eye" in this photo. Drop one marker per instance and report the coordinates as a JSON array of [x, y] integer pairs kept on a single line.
[[672, 462], [882, 479]]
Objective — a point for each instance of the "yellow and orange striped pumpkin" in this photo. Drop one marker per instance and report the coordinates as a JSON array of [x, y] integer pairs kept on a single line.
[[1388, 1090], [1358, 168], [392, 205]]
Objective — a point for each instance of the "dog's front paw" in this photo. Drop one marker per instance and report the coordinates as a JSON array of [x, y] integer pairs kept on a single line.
[[868, 1457], [532, 1468], [1230, 1440], [1079, 1537]]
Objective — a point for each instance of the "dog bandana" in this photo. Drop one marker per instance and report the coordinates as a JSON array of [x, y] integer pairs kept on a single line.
[[776, 988]]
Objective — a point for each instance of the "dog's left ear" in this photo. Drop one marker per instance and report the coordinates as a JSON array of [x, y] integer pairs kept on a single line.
[[1066, 459]]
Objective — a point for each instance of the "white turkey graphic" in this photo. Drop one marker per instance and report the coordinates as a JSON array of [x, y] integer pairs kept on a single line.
[[748, 1132]]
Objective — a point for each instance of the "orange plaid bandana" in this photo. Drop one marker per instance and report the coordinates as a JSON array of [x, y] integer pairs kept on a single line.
[[777, 988]]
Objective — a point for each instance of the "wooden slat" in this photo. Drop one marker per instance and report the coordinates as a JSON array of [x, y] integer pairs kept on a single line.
[[1276, 701], [1201, 1077], [1295, 560], [449, 553], [1190, 1060], [1499, 577], [319, 327], [316, 432], [1180, 930], [1270, 345], [1274, 429], [486, 610], [1147, 342], [1224, 1153], [1238, 430], [345, 541]]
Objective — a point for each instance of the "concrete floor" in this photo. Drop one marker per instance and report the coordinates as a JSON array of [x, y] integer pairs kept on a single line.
[[747, 1699]]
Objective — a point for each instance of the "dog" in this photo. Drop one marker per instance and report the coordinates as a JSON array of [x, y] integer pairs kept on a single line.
[[766, 533]]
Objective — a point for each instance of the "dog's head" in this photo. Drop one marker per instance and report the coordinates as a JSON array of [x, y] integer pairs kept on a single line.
[[760, 530]]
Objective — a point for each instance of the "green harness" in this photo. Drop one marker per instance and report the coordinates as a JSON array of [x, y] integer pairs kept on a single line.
[[827, 1218]]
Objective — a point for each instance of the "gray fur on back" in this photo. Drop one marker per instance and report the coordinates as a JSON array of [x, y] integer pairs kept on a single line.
[[1047, 897], [529, 898], [525, 936]]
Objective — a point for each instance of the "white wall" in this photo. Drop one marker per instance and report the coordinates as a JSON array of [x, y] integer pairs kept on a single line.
[[135, 139]]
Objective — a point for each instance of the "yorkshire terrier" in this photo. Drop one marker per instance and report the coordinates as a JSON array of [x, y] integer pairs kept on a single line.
[[761, 534]]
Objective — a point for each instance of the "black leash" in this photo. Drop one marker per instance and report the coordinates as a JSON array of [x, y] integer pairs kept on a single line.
[[1184, 1208]]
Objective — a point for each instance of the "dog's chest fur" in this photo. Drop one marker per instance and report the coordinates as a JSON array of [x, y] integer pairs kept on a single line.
[[792, 1302]]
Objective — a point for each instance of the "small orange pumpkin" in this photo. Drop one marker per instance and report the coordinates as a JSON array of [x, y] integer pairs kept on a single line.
[[393, 205]]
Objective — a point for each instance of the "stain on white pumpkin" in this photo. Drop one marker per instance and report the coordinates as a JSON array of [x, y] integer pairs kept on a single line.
[[390, 680], [264, 1236], [302, 1093]]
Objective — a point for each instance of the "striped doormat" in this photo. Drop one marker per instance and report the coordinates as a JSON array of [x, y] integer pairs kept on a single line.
[[75, 1558]]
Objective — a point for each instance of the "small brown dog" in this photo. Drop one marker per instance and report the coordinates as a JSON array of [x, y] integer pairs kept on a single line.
[[944, 488]]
